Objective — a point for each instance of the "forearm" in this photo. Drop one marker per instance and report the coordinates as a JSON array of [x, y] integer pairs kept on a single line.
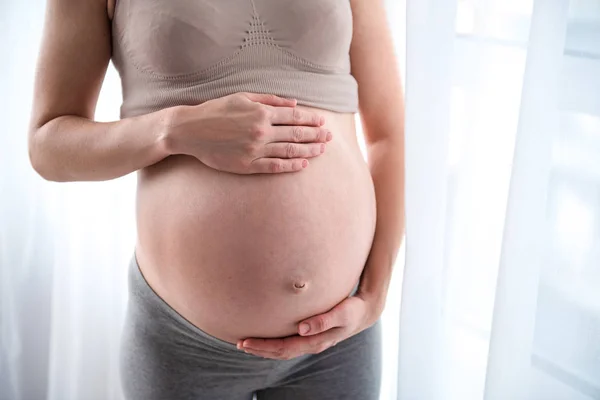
[[73, 148], [386, 162]]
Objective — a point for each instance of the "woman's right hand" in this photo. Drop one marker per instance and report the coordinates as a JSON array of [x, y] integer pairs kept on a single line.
[[248, 133]]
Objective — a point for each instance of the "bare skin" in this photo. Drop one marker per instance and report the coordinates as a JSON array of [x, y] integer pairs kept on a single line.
[[245, 227], [227, 250]]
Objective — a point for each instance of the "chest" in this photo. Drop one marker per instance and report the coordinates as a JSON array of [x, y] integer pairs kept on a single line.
[[178, 37]]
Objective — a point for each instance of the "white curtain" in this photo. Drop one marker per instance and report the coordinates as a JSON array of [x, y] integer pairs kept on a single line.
[[501, 288], [64, 247]]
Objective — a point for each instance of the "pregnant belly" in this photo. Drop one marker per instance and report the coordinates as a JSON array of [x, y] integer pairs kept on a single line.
[[252, 255]]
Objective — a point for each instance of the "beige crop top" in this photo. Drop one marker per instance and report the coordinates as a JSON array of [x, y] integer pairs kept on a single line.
[[174, 52]]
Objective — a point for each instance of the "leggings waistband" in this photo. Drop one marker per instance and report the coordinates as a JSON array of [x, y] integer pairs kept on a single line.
[[148, 302]]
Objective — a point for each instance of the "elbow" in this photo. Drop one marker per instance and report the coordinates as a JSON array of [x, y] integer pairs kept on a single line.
[[39, 160]]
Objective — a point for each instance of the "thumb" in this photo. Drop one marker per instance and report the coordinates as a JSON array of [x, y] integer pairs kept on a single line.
[[320, 323], [271, 100]]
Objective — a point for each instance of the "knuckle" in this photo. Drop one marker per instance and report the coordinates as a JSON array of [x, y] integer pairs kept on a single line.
[[245, 163], [297, 134], [291, 150], [266, 113], [296, 115], [316, 150], [317, 135], [262, 113], [239, 99], [323, 323], [275, 166], [323, 135], [258, 131]]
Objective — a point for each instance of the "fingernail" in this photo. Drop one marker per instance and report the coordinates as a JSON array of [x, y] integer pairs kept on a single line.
[[322, 148], [329, 136], [304, 163], [304, 328]]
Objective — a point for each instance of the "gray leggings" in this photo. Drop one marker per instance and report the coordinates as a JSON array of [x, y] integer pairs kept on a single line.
[[165, 357]]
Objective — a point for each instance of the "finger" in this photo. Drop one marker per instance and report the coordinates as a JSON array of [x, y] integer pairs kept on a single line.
[[271, 100], [294, 150], [265, 345], [295, 116], [300, 134], [277, 165], [334, 318], [295, 345]]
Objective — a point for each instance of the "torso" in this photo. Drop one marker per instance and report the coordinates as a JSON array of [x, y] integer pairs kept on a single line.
[[226, 251]]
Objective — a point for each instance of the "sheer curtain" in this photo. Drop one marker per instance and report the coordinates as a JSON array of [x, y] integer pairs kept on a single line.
[[501, 288], [63, 247]]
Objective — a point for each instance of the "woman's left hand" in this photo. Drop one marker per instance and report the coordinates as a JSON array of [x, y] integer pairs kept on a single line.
[[346, 319]]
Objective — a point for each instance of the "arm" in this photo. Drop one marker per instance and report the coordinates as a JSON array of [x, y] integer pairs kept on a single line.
[[242, 133], [382, 113], [65, 144]]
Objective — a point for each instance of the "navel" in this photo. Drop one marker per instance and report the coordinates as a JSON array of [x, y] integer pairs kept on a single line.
[[299, 286]]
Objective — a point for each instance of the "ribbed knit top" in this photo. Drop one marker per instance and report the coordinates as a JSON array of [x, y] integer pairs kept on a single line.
[[175, 52]]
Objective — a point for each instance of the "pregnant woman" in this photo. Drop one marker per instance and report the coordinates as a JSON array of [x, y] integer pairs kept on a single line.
[[265, 242]]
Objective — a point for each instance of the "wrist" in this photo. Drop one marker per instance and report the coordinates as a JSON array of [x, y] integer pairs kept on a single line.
[[375, 300], [170, 133], [375, 279]]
